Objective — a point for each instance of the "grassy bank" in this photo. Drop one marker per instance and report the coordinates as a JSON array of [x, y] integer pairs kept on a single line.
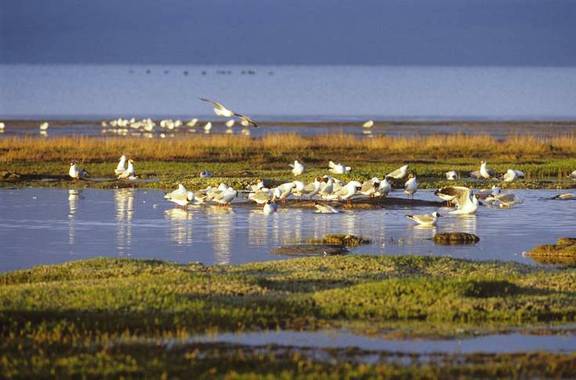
[[240, 160], [108, 315]]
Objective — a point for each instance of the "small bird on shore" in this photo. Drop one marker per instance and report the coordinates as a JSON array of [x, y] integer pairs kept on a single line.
[[44, 126], [205, 174], [346, 192], [297, 168], [192, 123], [399, 173], [121, 167], [425, 219], [225, 197], [338, 168], [370, 187], [2, 126], [207, 127], [452, 175], [573, 175], [411, 186], [270, 207], [260, 196], [512, 175], [324, 209], [76, 172], [368, 124], [384, 189], [230, 123], [129, 173]]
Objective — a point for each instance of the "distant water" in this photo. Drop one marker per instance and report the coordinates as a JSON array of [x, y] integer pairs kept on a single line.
[[289, 92]]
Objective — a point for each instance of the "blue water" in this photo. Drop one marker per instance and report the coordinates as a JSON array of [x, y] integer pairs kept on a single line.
[[288, 92]]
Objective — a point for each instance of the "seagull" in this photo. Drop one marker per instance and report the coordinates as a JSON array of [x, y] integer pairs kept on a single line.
[[346, 192], [384, 189], [44, 126], [207, 127], [121, 165], [219, 108], [327, 188], [485, 193], [398, 173], [314, 187], [573, 175], [425, 219], [411, 186], [246, 121], [180, 196], [485, 171], [324, 209], [512, 175], [452, 175], [370, 187], [298, 189], [368, 124], [450, 193], [503, 200], [2, 126], [564, 196], [283, 191], [297, 168], [205, 174], [230, 123], [258, 186], [466, 202], [129, 173], [225, 197], [260, 196], [338, 168], [75, 172], [192, 123], [270, 207]]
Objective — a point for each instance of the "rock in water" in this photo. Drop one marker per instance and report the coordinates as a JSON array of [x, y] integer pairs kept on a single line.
[[449, 238]]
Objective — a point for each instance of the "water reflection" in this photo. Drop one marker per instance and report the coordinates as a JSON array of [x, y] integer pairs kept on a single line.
[[180, 226], [73, 197], [124, 202], [220, 221]]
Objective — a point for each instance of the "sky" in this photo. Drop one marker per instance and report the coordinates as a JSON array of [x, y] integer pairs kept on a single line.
[[308, 32]]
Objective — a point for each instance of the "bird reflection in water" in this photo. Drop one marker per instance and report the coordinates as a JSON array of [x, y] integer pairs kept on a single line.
[[73, 196], [124, 202], [180, 226], [221, 219]]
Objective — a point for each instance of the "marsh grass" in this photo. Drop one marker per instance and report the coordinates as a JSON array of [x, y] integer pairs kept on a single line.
[[110, 317], [282, 147]]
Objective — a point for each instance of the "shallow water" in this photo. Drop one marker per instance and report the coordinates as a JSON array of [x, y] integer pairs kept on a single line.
[[42, 226], [494, 344]]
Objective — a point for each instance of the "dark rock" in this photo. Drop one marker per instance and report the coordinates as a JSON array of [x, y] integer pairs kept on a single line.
[[449, 238]]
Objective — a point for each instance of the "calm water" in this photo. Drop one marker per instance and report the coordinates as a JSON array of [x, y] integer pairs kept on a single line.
[[42, 226], [289, 92], [497, 343]]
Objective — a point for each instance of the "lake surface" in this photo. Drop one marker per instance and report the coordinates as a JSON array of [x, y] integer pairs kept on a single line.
[[492, 344], [43, 226], [288, 92]]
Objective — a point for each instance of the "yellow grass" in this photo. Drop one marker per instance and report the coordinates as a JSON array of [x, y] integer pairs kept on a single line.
[[285, 146]]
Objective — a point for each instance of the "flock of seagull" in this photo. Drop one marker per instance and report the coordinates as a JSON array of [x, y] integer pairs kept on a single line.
[[328, 191]]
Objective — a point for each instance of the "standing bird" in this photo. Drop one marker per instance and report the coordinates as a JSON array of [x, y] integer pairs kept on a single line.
[[230, 123], [129, 173], [225, 197], [510, 175], [76, 172], [411, 186], [370, 187], [384, 189], [399, 173], [368, 124], [485, 171], [192, 123], [425, 219], [573, 175], [219, 108], [452, 175], [207, 127], [297, 168], [121, 167], [44, 126]]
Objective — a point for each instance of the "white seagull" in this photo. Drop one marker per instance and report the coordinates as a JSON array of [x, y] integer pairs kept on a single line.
[[425, 219], [219, 108], [411, 186], [180, 196], [398, 173], [297, 168], [270, 207], [129, 173], [452, 175], [466, 201], [368, 124], [338, 168], [121, 167], [76, 172]]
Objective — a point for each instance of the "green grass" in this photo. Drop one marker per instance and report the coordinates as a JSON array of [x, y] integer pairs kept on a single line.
[[106, 316]]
